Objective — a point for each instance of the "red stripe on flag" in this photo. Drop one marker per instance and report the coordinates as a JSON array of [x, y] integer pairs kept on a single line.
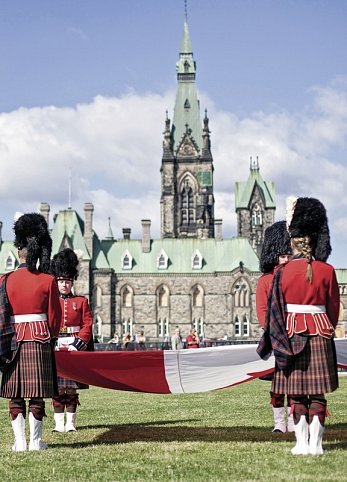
[[130, 371]]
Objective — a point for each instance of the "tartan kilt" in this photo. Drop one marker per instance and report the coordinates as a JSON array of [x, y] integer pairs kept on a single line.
[[313, 372], [67, 383], [32, 374]]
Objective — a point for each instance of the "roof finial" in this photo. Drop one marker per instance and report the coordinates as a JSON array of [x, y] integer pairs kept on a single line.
[[186, 10], [69, 206]]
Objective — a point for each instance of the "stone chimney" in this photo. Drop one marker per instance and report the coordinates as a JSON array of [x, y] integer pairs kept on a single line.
[[44, 211], [126, 233], [88, 227], [146, 235], [218, 229]]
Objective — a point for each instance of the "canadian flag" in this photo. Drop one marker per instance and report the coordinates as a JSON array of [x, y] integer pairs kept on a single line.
[[182, 371]]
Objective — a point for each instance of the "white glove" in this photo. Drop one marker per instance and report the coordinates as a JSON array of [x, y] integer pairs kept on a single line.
[[72, 348]]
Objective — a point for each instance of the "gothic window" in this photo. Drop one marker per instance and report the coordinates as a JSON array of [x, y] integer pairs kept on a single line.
[[186, 67], [198, 296], [127, 260], [10, 262], [257, 215], [341, 312], [187, 205], [163, 297], [198, 324], [163, 327], [162, 260], [245, 326], [127, 325], [187, 104], [237, 326], [127, 297], [241, 293], [97, 296], [97, 326], [196, 260]]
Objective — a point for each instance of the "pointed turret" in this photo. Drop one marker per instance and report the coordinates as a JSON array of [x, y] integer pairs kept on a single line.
[[255, 206], [187, 200], [187, 108]]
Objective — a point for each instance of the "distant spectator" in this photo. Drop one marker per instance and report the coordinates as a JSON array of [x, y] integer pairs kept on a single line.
[[115, 339], [141, 340], [176, 340], [166, 343], [192, 340], [127, 342]]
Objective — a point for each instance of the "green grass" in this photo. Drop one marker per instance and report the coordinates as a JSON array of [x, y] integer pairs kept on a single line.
[[217, 436]]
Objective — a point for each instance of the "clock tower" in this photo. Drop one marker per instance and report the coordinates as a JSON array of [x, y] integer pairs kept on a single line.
[[187, 201]]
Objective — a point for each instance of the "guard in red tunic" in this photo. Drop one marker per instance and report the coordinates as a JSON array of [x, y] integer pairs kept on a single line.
[[276, 250], [302, 315], [75, 334], [34, 302]]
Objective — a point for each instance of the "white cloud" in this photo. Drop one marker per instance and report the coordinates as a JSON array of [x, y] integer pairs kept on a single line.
[[114, 147]]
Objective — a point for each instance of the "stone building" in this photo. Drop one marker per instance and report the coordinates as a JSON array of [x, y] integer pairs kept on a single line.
[[191, 275]]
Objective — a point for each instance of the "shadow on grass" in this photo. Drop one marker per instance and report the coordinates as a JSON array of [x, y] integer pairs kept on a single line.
[[335, 435], [139, 424]]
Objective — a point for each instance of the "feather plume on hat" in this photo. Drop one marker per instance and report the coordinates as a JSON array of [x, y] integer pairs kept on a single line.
[[309, 218], [276, 242], [31, 232], [64, 265]]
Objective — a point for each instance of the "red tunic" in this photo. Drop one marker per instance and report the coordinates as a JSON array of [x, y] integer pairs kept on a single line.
[[34, 293], [76, 313], [262, 293], [192, 341], [323, 290]]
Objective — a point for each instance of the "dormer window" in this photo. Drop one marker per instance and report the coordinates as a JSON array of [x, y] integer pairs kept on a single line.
[[162, 260], [196, 260], [127, 260], [10, 262]]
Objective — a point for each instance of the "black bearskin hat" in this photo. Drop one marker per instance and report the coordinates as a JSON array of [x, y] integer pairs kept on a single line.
[[31, 232], [306, 216], [65, 265], [276, 242]]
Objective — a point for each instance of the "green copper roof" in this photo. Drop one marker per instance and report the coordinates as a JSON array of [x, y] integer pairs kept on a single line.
[[341, 275], [187, 109], [218, 256], [244, 190], [7, 249], [68, 232]]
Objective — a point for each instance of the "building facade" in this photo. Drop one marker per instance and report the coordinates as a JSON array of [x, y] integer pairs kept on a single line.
[[191, 275]]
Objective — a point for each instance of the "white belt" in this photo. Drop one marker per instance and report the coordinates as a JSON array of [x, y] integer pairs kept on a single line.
[[289, 308], [71, 329], [29, 318]]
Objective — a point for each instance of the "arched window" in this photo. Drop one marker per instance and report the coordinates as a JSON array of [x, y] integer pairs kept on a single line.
[[127, 325], [196, 260], [127, 260], [187, 204], [162, 260], [163, 297], [10, 262], [241, 293], [198, 324], [186, 67], [97, 296], [257, 215], [245, 326], [163, 327], [237, 326], [97, 327], [127, 297], [198, 296]]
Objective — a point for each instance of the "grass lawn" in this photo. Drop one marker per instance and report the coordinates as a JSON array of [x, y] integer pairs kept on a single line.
[[221, 435]]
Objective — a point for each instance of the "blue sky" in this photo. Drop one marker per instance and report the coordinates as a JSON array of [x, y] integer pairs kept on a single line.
[[86, 84]]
